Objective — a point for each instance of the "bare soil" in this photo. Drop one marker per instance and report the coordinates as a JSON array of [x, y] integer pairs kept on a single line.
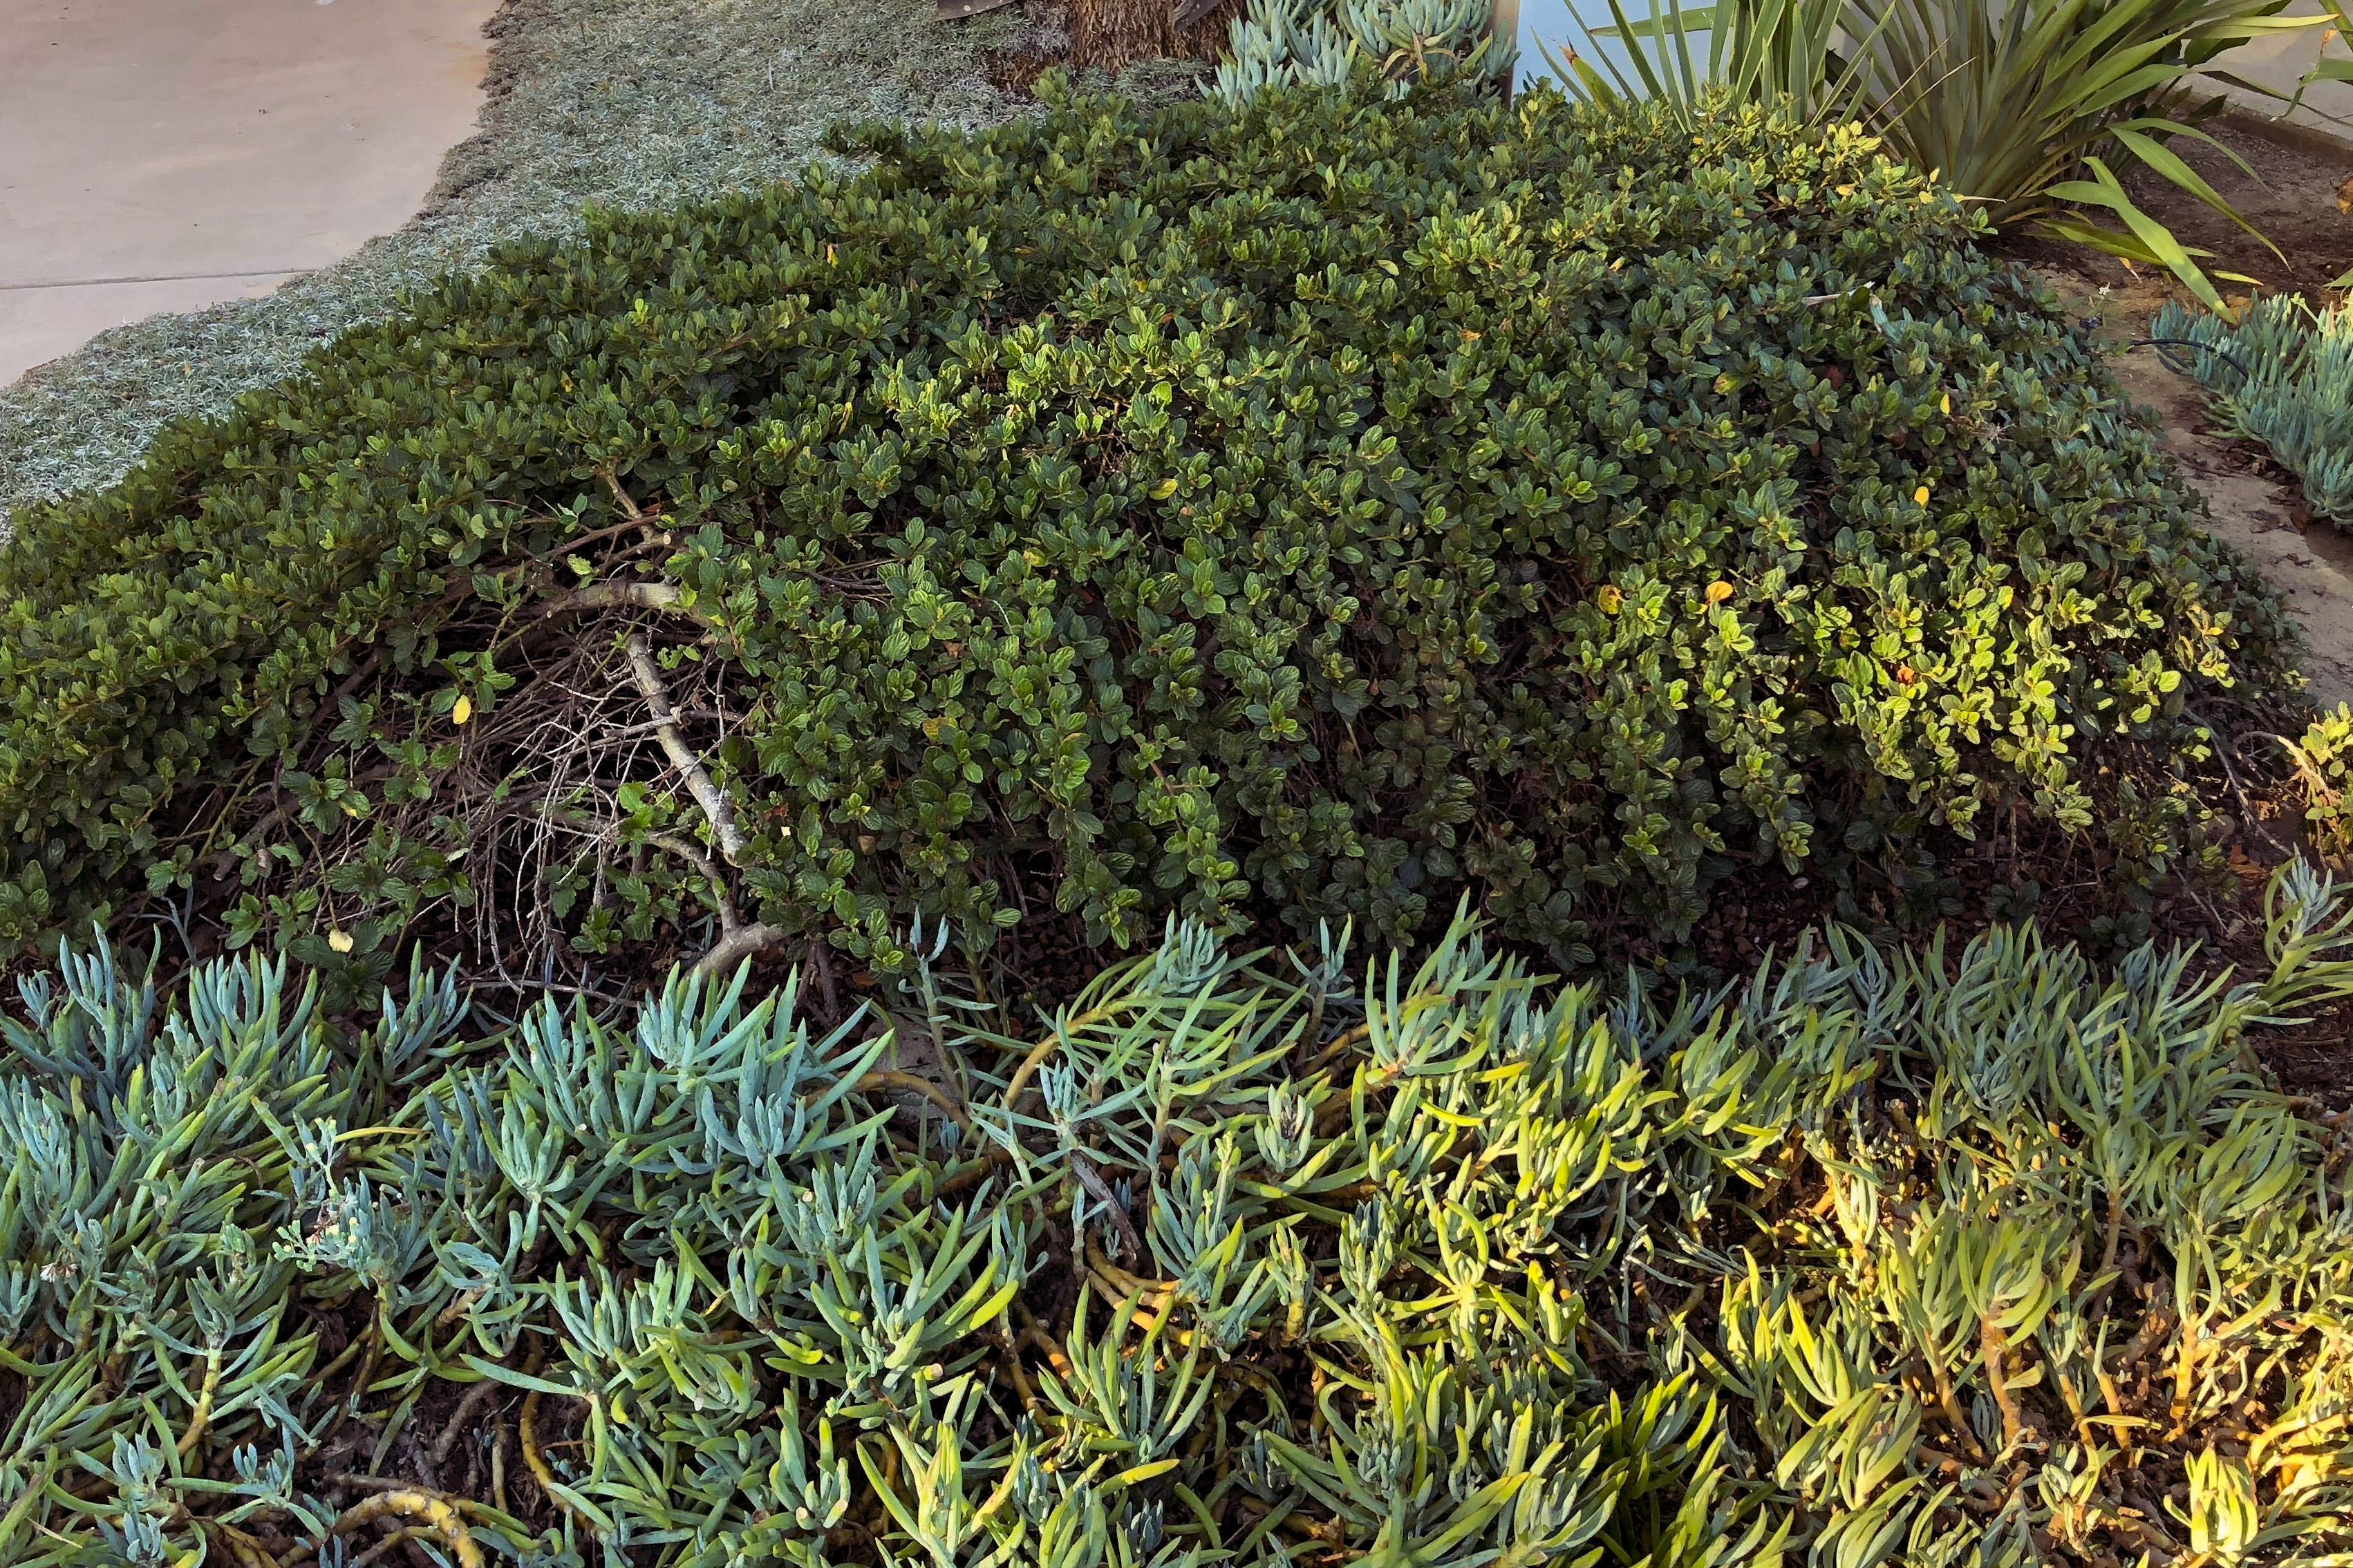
[[2296, 196]]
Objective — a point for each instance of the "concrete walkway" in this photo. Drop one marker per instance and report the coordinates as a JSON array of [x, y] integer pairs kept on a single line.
[[169, 155], [2276, 67]]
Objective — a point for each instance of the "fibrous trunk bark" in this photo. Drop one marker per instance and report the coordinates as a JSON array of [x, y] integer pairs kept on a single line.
[[1113, 34]]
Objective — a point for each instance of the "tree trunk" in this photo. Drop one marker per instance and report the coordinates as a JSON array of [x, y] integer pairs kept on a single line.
[[1113, 34]]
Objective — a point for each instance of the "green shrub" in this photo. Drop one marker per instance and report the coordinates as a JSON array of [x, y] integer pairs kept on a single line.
[[1316, 512], [2023, 105], [1937, 1259], [2323, 760]]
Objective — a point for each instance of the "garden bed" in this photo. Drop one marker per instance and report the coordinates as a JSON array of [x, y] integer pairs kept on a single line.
[[2296, 195], [1680, 620], [1295, 1260], [691, 96], [622, 103], [1023, 577]]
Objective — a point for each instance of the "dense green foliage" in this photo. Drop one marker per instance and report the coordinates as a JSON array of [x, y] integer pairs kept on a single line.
[[2323, 759], [1936, 1259], [2022, 105], [1313, 510]]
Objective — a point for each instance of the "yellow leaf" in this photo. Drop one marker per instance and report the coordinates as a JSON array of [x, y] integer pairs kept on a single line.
[[1718, 591], [1920, 496], [1145, 1472], [1609, 599], [1163, 489], [341, 941], [463, 711], [1945, 406]]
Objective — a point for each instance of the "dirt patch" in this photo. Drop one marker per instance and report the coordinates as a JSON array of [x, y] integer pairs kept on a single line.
[[2292, 198]]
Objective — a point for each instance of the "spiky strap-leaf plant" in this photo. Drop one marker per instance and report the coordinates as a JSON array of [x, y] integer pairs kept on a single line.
[[1938, 1258]]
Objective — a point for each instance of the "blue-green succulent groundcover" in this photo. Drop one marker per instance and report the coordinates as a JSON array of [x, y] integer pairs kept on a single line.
[[1971, 1255], [1307, 513], [2280, 376]]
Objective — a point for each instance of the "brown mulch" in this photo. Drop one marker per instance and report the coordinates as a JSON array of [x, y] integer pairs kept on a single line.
[[2296, 196], [1015, 72]]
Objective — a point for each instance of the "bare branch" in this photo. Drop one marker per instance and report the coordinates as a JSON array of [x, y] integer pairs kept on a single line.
[[731, 950], [702, 862], [707, 794], [628, 507], [663, 596]]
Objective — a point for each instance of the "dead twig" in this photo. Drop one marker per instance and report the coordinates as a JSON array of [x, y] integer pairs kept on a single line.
[[459, 1417], [620, 496], [663, 596], [1092, 1180], [373, 1348], [433, 1515], [2223, 746], [733, 948], [707, 794], [693, 854]]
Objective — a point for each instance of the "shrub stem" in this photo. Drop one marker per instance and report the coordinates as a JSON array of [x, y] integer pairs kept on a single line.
[[1995, 1344], [707, 794]]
